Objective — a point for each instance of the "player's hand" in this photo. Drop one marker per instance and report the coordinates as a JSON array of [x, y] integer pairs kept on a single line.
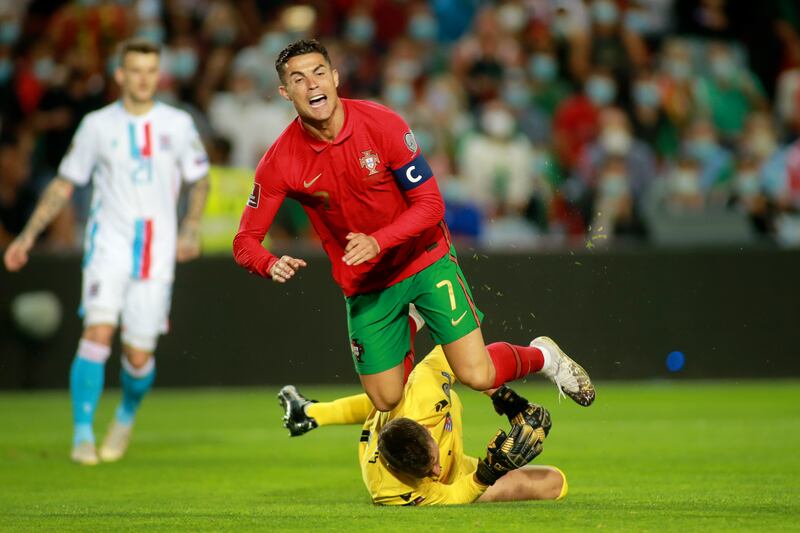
[[509, 452], [188, 245], [16, 255], [285, 267], [360, 248], [535, 416]]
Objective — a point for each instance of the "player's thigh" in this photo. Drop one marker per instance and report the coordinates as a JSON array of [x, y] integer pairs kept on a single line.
[[377, 323], [145, 314], [470, 361], [102, 297], [442, 297]]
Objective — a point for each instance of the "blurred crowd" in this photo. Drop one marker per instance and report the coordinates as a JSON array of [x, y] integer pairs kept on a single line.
[[545, 121]]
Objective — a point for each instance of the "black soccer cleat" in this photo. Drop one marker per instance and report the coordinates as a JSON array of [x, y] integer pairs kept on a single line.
[[295, 418]]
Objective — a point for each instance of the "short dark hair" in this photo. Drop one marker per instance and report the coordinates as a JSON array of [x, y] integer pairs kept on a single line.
[[405, 445], [298, 48], [138, 45]]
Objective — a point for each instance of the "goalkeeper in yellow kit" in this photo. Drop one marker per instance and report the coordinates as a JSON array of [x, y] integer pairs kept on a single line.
[[413, 454]]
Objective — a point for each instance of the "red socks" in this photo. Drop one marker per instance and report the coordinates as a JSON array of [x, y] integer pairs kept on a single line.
[[513, 362]]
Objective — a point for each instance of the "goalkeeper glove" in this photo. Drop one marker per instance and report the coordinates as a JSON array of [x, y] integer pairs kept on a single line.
[[508, 452], [519, 410]]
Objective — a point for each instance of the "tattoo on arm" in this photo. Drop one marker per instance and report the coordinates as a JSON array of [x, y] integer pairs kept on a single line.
[[53, 200], [197, 203]]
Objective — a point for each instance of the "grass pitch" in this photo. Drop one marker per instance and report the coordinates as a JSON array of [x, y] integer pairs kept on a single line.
[[646, 457]]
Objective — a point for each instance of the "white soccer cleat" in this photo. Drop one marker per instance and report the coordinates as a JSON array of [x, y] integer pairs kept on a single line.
[[116, 442], [84, 453], [570, 377]]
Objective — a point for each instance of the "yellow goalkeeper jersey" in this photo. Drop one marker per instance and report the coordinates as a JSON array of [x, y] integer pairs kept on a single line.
[[428, 398]]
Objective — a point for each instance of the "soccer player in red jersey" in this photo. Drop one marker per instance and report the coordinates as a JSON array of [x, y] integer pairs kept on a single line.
[[356, 169]]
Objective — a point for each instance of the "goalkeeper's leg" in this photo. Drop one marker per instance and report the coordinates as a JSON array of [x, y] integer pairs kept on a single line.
[[301, 415], [348, 410], [528, 483]]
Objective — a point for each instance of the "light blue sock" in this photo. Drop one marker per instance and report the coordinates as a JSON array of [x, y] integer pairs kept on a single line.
[[86, 377], [136, 382]]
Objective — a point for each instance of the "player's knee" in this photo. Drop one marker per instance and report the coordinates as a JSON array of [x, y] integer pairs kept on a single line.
[[475, 378], [99, 333], [385, 400], [556, 485], [137, 358]]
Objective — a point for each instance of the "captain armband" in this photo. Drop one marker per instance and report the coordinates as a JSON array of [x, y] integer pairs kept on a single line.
[[413, 174]]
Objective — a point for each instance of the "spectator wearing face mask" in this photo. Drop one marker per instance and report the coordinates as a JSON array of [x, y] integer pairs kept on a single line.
[[614, 204], [616, 141], [676, 80], [650, 121], [182, 64], [729, 93], [759, 140], [576, 120], [715, 162], [548, 85], [682, 191], [747, 193], [497, 163], [222, 25], [422, 26], [614, 45]]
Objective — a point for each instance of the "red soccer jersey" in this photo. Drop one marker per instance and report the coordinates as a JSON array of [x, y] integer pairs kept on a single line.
[[371, 179]]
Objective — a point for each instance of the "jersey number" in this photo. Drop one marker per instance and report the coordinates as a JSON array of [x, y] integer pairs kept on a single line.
[[447, 283]]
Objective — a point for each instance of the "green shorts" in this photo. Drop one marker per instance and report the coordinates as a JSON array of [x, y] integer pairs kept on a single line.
[[378, 321]]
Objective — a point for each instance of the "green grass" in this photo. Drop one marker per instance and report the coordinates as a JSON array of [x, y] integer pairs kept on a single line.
[[646, 457]]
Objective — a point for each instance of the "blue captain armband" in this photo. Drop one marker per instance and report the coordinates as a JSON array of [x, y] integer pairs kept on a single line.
[[413, 174]]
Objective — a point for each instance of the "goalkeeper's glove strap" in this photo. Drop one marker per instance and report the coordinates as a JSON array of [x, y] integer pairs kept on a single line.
[[507, 402]]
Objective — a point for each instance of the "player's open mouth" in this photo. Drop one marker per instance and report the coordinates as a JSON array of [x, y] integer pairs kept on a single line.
[[318, 101]]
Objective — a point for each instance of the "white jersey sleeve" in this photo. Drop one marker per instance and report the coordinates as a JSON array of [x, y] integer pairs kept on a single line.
[[81, 157], [193, 159]]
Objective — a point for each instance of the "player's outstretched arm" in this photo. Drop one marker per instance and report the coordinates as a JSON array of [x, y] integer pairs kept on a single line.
[[55, 196], [528, 483], [267, 196], [189, 234]]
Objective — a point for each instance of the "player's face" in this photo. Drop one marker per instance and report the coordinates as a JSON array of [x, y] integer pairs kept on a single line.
[[138, 76], [310, 84]]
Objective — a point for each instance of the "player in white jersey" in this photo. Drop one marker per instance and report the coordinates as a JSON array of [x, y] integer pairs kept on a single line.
[[136, 152]]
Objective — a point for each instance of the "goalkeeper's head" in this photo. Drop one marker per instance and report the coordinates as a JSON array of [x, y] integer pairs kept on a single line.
[[409, 448]]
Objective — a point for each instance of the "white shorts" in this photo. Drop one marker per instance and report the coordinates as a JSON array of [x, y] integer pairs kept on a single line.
[[143, 304]]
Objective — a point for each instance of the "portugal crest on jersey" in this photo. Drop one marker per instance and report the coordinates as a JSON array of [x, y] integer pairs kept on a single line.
[[370, 161], [358, 350]]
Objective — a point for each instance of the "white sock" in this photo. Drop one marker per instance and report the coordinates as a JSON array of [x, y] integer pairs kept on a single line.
[[549, 368]]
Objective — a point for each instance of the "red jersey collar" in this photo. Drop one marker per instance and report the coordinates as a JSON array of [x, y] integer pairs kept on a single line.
[[347, 129]]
